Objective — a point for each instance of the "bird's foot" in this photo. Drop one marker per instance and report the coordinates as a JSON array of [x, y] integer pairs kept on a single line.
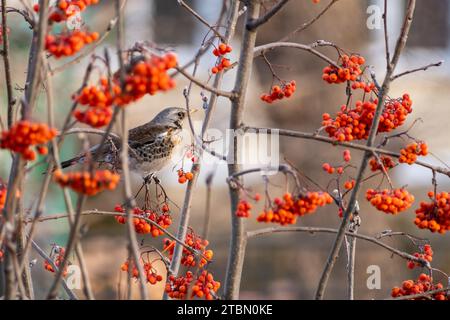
[[148, 178]]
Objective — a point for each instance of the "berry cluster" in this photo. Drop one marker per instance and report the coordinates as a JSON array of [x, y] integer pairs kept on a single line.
[[64, 9], [197, 244], [86, 182], [141, 226], [355, 124], [330, 169], [177, 287], [339, 169], [347, 155], [423, 284], [25, 134], [349, 70], [367, 87], [205, 286], [184, 177], [287, 210], [427, 255], [146, 76], [99, 100], [57, 257], [1, 255], [222, 62], [243, 209], [410, 153], [387, 162], [279, 92], [69, 43], [3, 193], [390, 201], [151, 273], [434, 215]]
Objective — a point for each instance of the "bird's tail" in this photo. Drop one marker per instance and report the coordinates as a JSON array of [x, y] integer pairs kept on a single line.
[[73, 161]]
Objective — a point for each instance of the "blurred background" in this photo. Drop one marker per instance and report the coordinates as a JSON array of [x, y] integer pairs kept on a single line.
[[280, 266]]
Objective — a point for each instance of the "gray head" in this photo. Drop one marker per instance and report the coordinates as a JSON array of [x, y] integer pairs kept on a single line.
[[171, 116]]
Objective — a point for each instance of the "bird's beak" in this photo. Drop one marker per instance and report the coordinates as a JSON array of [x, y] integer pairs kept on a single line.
[[192, 111]]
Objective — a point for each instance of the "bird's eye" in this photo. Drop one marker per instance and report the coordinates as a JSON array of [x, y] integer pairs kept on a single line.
[[181, 114]]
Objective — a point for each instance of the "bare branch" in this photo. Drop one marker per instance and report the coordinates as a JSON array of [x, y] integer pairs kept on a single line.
[[308, 23], [5, 53], [252, 24], [309, 48], [229, 95], [200, 18], [312, 230], [424, 68], [351, 145]]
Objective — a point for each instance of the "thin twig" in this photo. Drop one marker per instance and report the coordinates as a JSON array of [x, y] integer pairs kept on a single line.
[[424, 68], [312, 230], [255, 23], [227, 94], [308, 23], [5, 53], [201, 19], [258, 51]]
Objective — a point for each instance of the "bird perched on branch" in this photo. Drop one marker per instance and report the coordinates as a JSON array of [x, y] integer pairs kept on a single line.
[[151, 145]]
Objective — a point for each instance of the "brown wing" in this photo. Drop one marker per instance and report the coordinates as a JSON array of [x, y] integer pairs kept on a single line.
[[147, 133]]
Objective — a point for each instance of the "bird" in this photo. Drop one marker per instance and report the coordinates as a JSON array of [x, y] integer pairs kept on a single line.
[[151, 145]]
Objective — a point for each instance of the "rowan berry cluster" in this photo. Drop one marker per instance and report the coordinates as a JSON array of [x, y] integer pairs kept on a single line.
[[222, 62], [57, 256], [184, 177], [434, 215], [177, 287], [205, 286], [3, 193], [146, 76], [197, 244], [86, 182], [99, 100], [285, 211], [386, 161], [390, 201], [423, 284], [24, 135], [151, 274], [427, 255], [69, 43], [355, 124], [243, 209], [330, 169], [366, 86], [64, 9], [410, 153], [279, 92], [164, 220], [349, 70]]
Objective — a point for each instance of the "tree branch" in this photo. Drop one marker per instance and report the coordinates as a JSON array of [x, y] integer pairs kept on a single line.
[[257, 22]]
